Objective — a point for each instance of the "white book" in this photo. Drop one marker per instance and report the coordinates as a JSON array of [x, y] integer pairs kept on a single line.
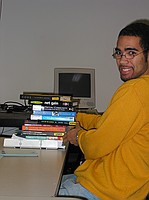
[[20, 142]]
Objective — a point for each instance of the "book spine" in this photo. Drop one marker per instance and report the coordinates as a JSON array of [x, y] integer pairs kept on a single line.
[[45, 97], [52, 108], [54, 118], [43, 128], [38, 133], [44, 137], [50, 122], [54, 103], [54, 113]]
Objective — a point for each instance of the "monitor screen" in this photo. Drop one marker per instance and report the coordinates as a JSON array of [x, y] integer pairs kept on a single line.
[[78, 82]]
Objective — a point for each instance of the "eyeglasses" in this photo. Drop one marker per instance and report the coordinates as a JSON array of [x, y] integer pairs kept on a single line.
[[129, 54]]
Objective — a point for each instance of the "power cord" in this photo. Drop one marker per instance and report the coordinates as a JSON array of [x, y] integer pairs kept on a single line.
[[1, 133]]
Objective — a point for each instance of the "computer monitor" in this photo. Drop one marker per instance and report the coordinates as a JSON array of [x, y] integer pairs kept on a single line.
[[78, 82]]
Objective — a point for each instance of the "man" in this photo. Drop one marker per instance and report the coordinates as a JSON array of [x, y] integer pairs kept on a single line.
[[116, 144]]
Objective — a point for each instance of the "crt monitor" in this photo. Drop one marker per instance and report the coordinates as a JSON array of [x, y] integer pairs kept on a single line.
[[78, 82]]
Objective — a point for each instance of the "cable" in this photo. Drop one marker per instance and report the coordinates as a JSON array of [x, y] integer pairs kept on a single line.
[[2, 131], [14, 102], [13, 106]]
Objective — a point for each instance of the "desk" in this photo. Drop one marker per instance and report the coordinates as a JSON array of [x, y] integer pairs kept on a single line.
[[31, 176], [16, 119]]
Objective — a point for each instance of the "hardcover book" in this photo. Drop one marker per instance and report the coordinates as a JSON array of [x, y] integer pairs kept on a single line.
[[45, 96], [54, 118], [51, 122], [54, 113], [53, 108], [36, 137], [54, 103], [22, 133], [35, 127]]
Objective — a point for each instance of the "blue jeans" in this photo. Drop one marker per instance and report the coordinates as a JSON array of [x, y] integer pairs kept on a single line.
[[69, 187]]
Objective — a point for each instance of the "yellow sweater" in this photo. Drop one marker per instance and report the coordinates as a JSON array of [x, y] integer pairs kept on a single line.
[[116, 145]]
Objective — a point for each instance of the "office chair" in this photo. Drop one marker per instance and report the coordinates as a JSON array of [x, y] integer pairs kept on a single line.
[[147, 197]]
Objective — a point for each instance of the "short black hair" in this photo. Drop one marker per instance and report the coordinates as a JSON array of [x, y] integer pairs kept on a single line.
[[137, 29]]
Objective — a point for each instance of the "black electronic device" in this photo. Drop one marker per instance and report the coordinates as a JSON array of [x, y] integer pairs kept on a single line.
[[12, 106]]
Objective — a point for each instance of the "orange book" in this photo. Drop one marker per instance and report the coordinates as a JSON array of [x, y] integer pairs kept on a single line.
[[52, 128]]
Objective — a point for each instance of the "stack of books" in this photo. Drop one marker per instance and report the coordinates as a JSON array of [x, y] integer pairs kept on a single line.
[[51, 115]]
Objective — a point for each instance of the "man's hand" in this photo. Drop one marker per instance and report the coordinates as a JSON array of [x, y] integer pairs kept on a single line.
[[71, 134]]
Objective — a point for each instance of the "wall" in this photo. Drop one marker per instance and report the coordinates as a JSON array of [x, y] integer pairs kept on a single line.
[[38, 35]]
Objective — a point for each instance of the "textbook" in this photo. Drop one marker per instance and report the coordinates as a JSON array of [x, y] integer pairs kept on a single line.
[[22, 133], [70, 104], [42, 127], [54, 118], [45, 96], [50, 122], [40, 137], [54, 113], [53, 108]]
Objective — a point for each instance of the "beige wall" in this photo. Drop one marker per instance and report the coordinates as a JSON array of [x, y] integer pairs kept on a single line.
[[38, 35]]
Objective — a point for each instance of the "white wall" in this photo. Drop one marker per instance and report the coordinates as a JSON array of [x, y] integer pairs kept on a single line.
[[38, 35]]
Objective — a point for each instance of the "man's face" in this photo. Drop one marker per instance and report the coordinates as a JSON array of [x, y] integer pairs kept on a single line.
[[131, 68]]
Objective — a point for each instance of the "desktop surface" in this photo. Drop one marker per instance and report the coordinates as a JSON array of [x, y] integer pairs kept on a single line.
[[31, 176]]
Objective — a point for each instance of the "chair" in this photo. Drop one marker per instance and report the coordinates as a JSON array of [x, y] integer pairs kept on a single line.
[[73, 159]]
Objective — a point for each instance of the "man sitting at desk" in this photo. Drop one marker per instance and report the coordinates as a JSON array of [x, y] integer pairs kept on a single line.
[[116, 144]]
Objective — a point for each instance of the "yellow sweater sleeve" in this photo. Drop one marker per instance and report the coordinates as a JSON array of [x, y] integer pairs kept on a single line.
[[113, 126], [91, 119]]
